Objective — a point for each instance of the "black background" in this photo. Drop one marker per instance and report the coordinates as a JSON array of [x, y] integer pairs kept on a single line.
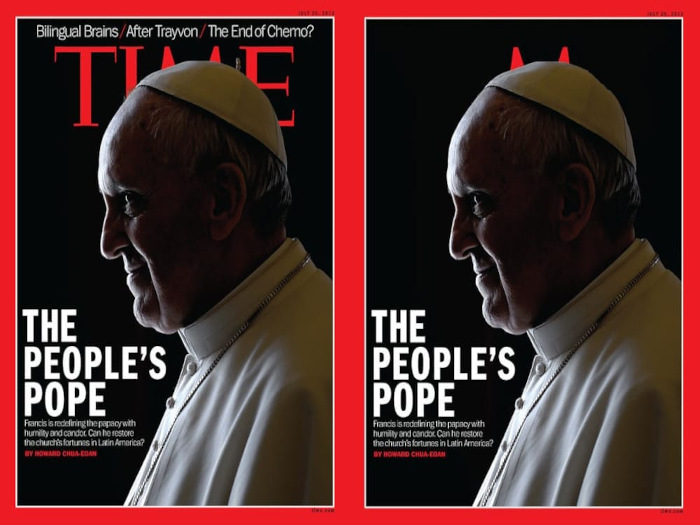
[[421, 77], [59, 216]]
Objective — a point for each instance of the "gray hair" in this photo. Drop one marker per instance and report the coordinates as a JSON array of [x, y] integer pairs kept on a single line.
[[193, 140], [539, 138]]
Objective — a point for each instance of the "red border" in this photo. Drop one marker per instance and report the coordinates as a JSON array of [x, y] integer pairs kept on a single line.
[[349, 257]]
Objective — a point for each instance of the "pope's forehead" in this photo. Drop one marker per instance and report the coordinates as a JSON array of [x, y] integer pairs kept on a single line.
[[486, 110], [128, 153], [130, 131], [476, 151], [134, 113], [480, 120]]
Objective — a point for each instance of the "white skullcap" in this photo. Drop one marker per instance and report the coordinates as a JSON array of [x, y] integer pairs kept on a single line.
[[226, 93], [574, 93]]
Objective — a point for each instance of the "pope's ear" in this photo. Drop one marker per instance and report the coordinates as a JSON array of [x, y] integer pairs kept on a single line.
[[576, 200], [228, 198]]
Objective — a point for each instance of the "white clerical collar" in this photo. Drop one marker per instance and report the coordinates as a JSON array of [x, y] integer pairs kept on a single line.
[[559, 333], [213, 330]]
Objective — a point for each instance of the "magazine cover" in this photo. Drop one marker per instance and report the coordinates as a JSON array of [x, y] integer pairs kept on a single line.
[[441, 384], [92, 383], [375, 93]]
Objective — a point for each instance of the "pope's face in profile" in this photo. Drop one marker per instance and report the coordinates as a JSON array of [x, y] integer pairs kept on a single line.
[[155, 219], [503, 219]]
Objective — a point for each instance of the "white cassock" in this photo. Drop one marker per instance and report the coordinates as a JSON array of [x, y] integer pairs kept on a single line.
[[607, 431], [258, 430]]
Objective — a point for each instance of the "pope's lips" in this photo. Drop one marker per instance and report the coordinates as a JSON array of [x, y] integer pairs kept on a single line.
[[482, 263], [132, 273], [485, 277], [481, 270]]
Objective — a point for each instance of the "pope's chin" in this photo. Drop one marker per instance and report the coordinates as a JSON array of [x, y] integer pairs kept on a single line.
[[497, 314], [148, 314]]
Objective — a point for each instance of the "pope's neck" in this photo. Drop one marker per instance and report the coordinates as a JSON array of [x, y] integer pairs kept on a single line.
[[584, 262], [235, 262]]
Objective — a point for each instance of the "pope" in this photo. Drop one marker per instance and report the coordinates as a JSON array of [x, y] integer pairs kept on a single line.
[[542, 174]]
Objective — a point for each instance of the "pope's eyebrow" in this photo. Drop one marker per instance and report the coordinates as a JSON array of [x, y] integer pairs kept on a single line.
[[458, 186], [111, 188]]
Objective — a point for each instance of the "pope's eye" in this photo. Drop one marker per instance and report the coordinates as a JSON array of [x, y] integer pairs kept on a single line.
[[476, 198], [481, 204], [131, 203]]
